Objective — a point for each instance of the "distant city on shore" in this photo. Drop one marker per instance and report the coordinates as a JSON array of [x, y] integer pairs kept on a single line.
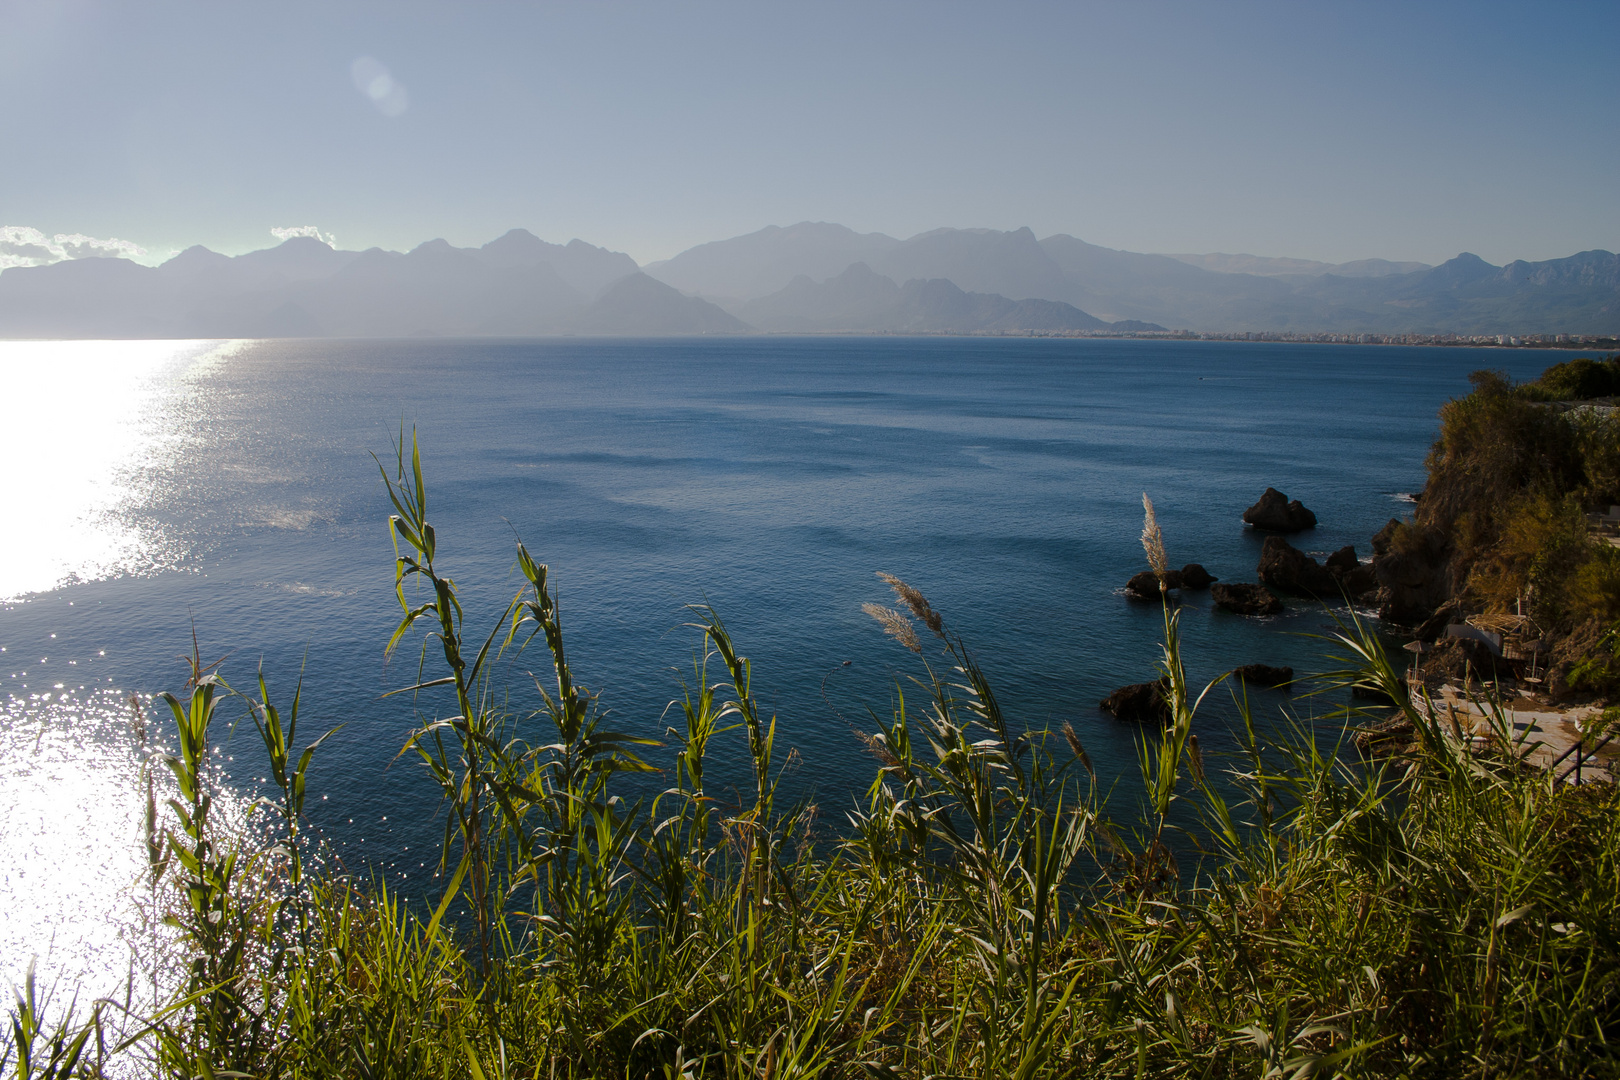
[[814, 278]]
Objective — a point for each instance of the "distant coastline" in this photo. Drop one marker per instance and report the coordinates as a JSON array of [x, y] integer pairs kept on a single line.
[[1480, 341], [1483, 341]]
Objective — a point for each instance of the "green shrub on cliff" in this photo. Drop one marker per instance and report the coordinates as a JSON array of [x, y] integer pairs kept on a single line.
[[1510, 482], [1580, 379]]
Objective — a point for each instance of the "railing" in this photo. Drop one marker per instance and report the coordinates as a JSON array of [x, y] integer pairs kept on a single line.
[[1581, 757]]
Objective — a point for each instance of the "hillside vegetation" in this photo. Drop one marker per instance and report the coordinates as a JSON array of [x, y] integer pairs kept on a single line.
[[1512, 478], [983, 911]]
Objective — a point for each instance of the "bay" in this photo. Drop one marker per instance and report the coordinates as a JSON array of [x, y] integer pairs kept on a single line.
[[228, 490]]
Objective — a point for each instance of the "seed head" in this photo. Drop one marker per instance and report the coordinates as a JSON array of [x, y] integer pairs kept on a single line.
[[1153, 541], [878, 747], [1074, 746], [917, 603], [895, 624]]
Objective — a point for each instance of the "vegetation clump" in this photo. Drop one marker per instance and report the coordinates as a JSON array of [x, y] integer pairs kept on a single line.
[[986, 912], [1510, 522], [1580, 379]]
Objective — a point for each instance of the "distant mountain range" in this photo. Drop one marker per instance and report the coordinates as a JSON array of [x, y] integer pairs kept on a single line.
[[805, 278], [1212, 293], [1269, 267]]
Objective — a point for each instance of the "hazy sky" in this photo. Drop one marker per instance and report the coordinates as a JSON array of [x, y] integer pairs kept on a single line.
[[1335, 132]]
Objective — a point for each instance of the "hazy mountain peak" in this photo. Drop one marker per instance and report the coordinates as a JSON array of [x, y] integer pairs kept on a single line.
[[1010, 264], [1464, 268], [430, 247], [195, 258], [762, 262], [516, 244]]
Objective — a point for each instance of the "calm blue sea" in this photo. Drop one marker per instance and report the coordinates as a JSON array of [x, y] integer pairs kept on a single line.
[[768, 477]]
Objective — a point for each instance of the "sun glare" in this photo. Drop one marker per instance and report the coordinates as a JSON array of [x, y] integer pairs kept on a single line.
[[89, 422]]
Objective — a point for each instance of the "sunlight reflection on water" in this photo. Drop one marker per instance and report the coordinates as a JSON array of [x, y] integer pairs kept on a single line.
[[86, 426], [79, 904], [72, 885], [89, 429]]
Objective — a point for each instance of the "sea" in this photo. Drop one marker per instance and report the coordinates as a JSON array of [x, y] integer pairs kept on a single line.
[[224, 500]]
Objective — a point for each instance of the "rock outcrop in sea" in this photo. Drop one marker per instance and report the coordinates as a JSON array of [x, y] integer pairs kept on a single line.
[[1245, 599], [1145, 586], [1139, 702], [1286, 569], [1275, 512], [1275, 678], [1194, 576]]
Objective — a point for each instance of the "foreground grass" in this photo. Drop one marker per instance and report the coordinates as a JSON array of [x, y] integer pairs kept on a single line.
[[1446, 914]]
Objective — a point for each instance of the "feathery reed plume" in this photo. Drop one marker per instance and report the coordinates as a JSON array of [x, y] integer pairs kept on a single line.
[[878, 747], [1153, 541], [1197, 757], [895, 624], [1074, 746], [916, 602]]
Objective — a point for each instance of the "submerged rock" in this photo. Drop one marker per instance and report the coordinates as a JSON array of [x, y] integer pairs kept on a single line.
[[1254, 600], [1276, 678], [1276, 513], [1194, 576], [1139, 702]]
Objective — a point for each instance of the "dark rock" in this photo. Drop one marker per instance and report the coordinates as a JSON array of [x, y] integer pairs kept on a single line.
[[1359, 582], [1139, 702], [1381, 538], [1415, 570], [1343, 560], [1356, 578], [1275, 512], [1194, 576], [1431, 629], [1286, 569], [1145, 586], [1278, 678], [1245, 599]]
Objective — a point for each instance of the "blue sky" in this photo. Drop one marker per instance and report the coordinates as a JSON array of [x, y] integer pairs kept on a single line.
[[1324, 131]]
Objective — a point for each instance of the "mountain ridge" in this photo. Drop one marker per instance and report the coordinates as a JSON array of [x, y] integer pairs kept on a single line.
[[797, 279]]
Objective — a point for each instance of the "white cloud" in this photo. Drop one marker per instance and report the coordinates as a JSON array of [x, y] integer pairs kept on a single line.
[[23, 246], [379, 86], [287, 232]]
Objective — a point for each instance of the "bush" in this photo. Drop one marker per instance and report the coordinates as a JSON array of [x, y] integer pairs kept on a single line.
[[1580, 379]]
